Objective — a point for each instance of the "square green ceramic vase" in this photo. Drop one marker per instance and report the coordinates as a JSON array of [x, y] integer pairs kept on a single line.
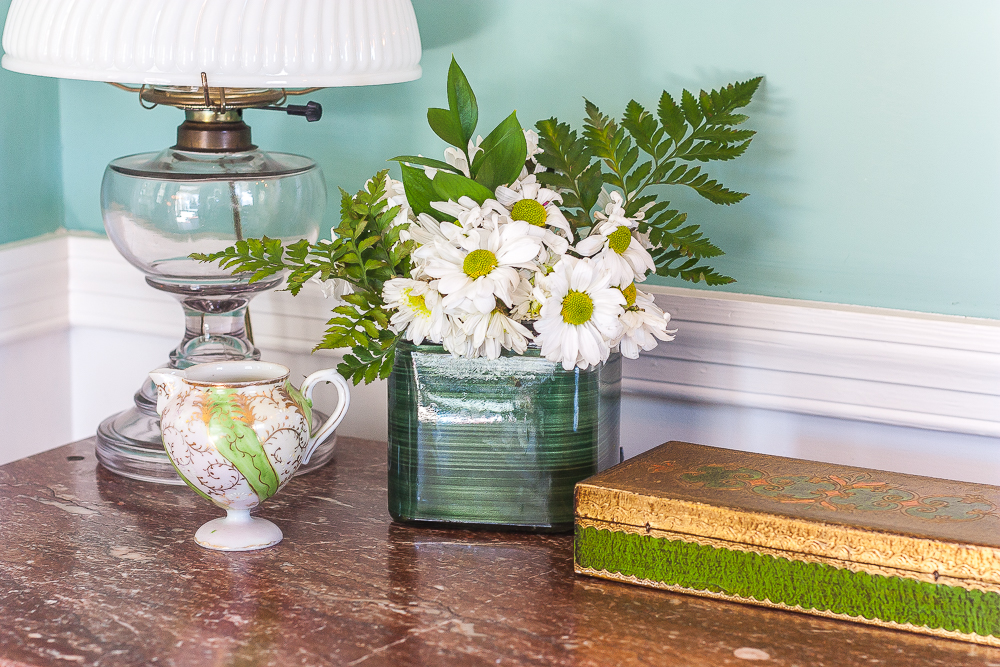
[[496, 443]]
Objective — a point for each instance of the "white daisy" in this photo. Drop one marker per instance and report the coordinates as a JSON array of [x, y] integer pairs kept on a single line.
[[531, 165], [527, 200], [423, 231], [470, 214], [490, 333], [531, 139], [457, 341], [481, 267], [642, 324], [615, 238], [395, 194], [418, 309], [580, 316], [334, 287], [526, 303], [456, 158]]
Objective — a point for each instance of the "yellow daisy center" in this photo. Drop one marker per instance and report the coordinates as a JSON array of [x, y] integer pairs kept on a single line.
[[629, 293], [577, 308], [479, 263], [529, 210], [620, 239], [417, 303]]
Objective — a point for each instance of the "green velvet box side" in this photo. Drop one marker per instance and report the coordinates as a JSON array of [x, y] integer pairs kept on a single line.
[[812, 587]]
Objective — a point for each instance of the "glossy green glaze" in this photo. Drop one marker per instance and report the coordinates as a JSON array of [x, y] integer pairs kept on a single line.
[[496, 442]]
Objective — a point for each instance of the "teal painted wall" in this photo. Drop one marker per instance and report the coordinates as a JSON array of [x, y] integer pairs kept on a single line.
[[873, 177], [31, 197]]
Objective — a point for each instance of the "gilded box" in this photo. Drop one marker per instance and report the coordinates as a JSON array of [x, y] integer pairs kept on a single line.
[[900, 551]]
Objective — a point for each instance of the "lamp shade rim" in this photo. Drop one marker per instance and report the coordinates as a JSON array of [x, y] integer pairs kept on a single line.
[[193, 78], [236, 43]]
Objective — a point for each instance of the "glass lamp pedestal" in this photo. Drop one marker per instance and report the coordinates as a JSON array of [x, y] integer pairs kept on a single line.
[[128, 443], [211, 190]]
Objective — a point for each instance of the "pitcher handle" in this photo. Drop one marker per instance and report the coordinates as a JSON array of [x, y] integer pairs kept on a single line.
[[333, 421]]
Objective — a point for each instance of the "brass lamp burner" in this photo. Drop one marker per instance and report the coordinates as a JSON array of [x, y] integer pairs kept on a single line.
[[214, 116], [221, 99]]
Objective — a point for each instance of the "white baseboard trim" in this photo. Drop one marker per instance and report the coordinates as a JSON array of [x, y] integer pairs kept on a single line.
[[896, 367], [33, 279]]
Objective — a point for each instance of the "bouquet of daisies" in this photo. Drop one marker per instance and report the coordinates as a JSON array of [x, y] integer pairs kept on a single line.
[[519, 238]]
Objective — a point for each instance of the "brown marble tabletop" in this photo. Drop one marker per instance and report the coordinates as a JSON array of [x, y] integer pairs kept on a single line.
[[100, 570]]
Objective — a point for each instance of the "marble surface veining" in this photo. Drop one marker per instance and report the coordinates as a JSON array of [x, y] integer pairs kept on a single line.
[[100, 570]]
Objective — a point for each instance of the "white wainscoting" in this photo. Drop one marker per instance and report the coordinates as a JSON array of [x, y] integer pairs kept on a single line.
[[748, 356], [869, 364], [33, 287], [894, 367]]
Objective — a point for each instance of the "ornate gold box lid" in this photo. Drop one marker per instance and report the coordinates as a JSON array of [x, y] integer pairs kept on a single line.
[[883, 523]]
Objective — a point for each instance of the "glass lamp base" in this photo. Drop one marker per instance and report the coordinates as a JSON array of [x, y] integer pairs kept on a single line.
[[129, 444]]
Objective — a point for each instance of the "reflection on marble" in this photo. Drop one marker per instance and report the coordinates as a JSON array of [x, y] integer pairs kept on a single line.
[[102, 570]]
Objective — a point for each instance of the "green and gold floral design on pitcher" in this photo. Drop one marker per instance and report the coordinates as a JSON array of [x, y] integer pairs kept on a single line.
[[236, 432]]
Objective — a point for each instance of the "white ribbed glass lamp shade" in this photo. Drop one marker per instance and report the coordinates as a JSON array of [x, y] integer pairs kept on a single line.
[[238, 43]]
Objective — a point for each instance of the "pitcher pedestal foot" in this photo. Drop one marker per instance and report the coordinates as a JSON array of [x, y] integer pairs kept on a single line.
[[238, 531]]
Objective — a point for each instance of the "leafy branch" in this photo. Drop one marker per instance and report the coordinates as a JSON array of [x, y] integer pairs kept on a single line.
[[498, 160], [365, 252], [573, 171], [646, 150]]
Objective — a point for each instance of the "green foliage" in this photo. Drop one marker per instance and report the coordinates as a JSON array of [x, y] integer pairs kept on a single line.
[[366, 252], [426, 162], [503, 154], [457, 123], [462, 101], [448, 186], [498, 162], [641, 151], [647, 150], [572, 170]]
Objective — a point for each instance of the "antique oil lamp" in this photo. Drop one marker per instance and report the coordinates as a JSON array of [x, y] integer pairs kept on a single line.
[[213, 59]]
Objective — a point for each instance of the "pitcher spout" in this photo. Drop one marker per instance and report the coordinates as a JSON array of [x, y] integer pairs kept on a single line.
[[168, 382]]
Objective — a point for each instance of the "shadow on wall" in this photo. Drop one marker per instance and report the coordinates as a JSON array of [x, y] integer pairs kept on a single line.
[[30, 155], [364, 117], [444, 23], [762, 225]]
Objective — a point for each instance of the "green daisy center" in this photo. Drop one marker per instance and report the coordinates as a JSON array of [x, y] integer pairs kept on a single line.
[[577, 307], [417, 303], [629, 293], [479, 263], [620, 239], [529, 210]]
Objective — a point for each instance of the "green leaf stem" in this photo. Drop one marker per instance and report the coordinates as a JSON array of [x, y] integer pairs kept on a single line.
[[453, 186], [462, 102], [503, 154]]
